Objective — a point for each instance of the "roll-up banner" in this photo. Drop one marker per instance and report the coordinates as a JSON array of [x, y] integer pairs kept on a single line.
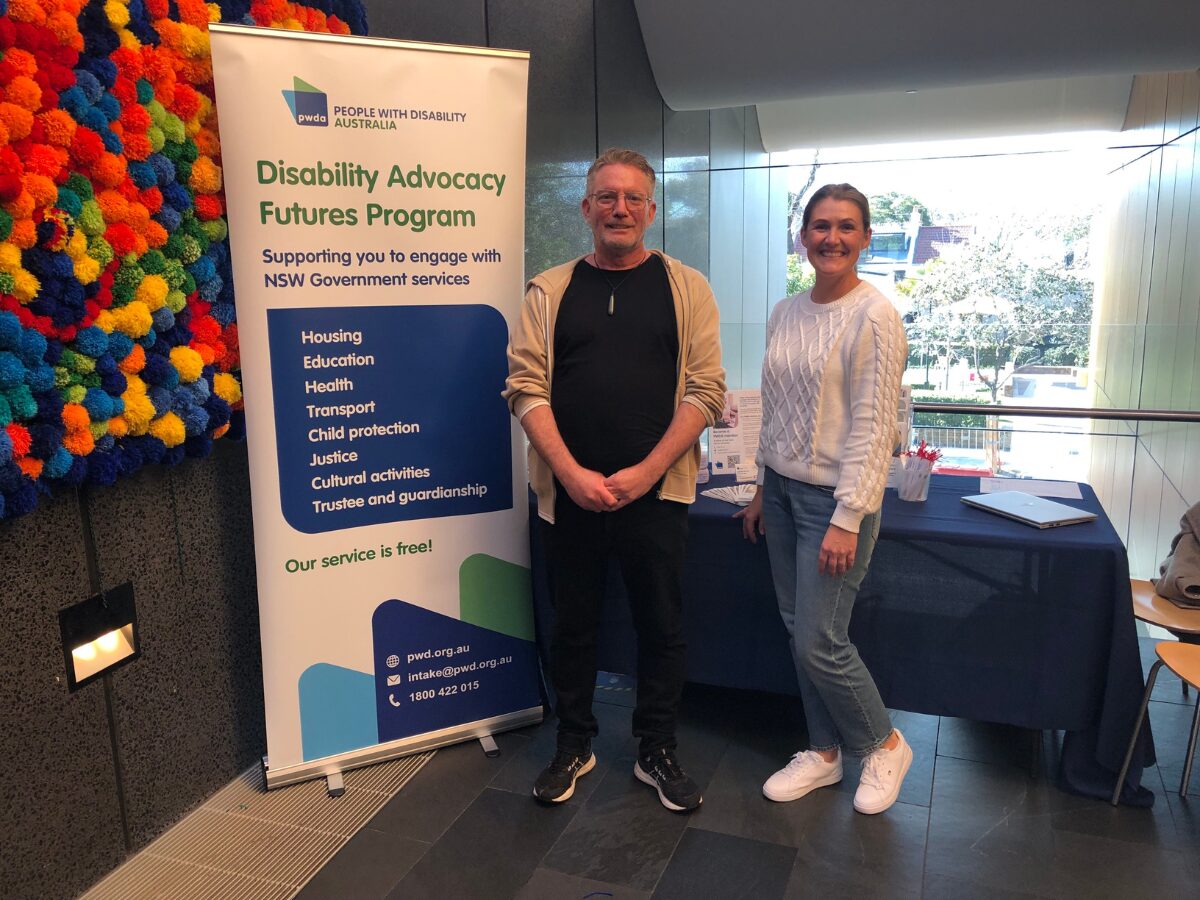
[[375, 195]]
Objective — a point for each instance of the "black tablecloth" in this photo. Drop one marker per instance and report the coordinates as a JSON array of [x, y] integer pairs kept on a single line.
[[963, 613]]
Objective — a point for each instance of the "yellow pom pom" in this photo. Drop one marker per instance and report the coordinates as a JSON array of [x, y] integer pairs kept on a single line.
[[138, 411], [188, 362], [168, 429], [104, 319], [87, 270], [152, 291], [227, 388], [77, 245], [118, 15], [10, 256], [134, 319], [25, 285], [206, 176]]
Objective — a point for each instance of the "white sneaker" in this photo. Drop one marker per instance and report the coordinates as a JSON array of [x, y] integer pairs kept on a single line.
[[806, 771], [883, 772]]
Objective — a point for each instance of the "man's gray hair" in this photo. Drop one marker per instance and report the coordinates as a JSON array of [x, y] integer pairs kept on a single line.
[[623, 157]]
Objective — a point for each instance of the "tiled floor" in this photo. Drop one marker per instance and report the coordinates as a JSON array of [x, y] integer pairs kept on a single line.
[[971, 821]]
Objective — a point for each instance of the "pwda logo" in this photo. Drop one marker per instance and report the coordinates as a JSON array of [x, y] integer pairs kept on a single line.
[[308, 104]]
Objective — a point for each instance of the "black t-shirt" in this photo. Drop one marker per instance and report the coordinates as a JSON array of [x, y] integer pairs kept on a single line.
[[613, 393]]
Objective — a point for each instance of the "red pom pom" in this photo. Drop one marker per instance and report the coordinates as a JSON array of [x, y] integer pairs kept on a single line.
[[86, 146], [19, 435], [121, 237], [208, 207]]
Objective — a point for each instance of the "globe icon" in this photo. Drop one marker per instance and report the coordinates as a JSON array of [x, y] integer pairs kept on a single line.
[[393, 661]]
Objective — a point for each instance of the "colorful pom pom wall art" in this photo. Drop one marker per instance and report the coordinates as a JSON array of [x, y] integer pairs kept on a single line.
[[118, 335]]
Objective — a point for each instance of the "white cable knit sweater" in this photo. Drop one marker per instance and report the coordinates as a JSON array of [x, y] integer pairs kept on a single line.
[[830, 387]]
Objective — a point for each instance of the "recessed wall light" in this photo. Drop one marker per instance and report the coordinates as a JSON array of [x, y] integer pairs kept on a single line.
[[99, 635]]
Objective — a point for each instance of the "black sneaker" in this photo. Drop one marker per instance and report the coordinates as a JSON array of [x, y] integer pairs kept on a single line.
[[661, 771], [557, 781]]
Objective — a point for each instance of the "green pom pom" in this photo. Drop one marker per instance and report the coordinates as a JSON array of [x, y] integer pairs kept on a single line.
[[189, 283], [83, 364], [172, 127], [91, 380], [191, 250], [98, 429], [69, 202], [183, 171], [6, 222], [152, 262], [158, 112], [176, 301], [62, 377], [188, 152], [74, 394], [129, 273], [7, 284], [216, 229], [100, 250], [24, 407], [173, 270], [158, 140], [145, 91], [174, 246], [91, 219], [123, 293], [5, 412], [80, 186]]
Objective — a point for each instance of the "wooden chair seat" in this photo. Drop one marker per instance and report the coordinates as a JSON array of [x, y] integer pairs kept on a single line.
[[1150, 607], [1182, 659]]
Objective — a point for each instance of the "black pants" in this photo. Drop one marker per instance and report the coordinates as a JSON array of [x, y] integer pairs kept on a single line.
[[647, 538]]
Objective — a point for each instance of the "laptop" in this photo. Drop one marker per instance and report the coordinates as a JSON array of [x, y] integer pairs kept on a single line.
[[1029, 509]]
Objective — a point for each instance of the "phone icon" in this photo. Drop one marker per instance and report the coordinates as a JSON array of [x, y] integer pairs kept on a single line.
[[392, 700]]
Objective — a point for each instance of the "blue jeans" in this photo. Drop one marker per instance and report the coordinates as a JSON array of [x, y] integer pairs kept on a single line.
[[841, 703]]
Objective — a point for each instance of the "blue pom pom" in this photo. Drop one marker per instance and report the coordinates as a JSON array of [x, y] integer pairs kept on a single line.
[[91, 341], [174, 194], [11, 477], [69, 202], [74, 101], [105, 364], [237, 425], [152, 449], [20, 399], [102, 468], [203, 269], [89, 85], [21, 501], [53, 351], [161, 399], [198, 390], [98, 122], [210, 291], [58, 464], [115, 384], [198, 446], [104, 70], [6, 413], [158, 370], [196, 421], [147, 340], [10, 331], [110, 106], [173, 456], [163, 167], [98, 404], [1, 507], [118, 405], [34, 349], [49, 406], [142, 174], [218, 411], [12, 371], [40, 378], [77, 472], [167, 217], [105, 443], [112, 143], [45, 438], [163, 318], [223, 313], [6, 446], [129, 456], [119, 345]]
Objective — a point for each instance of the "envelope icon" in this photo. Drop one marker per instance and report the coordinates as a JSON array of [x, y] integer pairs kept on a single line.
[[393, 680]]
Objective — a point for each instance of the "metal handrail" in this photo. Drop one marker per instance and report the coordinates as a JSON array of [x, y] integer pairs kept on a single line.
[[1060, 412]]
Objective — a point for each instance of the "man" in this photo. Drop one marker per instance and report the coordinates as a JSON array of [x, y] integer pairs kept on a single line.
[[629, 340]]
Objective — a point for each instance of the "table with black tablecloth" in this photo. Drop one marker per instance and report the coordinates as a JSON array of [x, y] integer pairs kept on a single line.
[[963, 613]]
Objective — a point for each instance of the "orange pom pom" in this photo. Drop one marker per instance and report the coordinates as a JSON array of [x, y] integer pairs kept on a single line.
[[23, 234], [155, 235], [31, 466], [43, 191], [59, 127], [118, 427], [17, 120], [134, 362], [79, 443], [109, 170], [24, 92], [22, 207], [21, 61], [75, 417]]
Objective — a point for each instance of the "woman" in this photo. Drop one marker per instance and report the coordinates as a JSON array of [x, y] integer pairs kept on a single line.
[[830, 387]]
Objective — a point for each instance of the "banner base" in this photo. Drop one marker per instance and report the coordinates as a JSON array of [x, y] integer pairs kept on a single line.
[[366, 756]]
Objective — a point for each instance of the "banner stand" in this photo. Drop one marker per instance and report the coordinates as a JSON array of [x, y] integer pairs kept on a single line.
[[375, 194]]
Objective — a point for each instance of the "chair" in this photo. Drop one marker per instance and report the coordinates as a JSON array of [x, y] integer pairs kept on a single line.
[[1149, 607], [1184, 661]]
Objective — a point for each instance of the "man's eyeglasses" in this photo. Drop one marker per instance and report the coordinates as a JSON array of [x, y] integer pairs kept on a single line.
[[608, 199]]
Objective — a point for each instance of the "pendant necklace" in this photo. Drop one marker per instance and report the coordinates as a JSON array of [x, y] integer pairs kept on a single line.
[[612, 292]]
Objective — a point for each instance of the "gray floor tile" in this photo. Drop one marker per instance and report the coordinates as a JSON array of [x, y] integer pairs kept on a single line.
[[711, 865], [546, 884], [946, 887], [445, 786], [622, 835], [373, 862], [986, 742], [491, 850]]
